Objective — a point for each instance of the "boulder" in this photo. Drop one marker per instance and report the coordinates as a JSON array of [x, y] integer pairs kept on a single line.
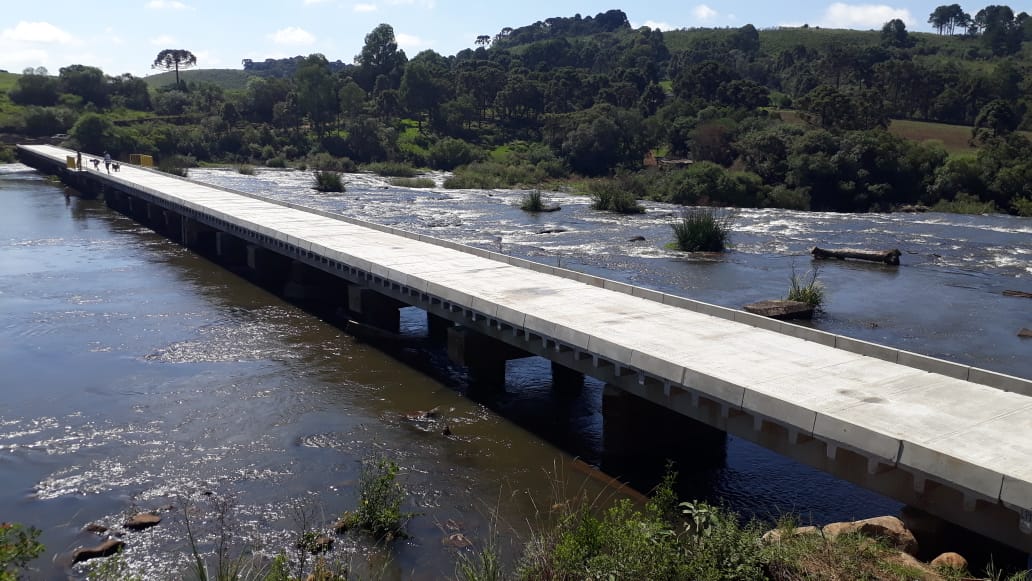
[[917, 570], [781, 309], [96, 528], [889, 528], [950, 561], [457, 541], [143, 520], [1025, 333], [636, 239], [105, 549], [344, 523]]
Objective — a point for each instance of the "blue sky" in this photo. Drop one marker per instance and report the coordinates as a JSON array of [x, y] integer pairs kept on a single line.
[[121, 36]]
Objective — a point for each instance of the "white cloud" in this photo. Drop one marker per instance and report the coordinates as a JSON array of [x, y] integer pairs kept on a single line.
[[163, 40], [166, 5], [37, 32], [292, 35], [704, 12], [364, 8], [409, 41], [842, 15], [657, 25]]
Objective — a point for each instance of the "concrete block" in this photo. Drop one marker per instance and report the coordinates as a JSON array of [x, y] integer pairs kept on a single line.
[[715, 311], [714, 388], [812, 335], [620, 287], [757, 321], [539, 325], [844, 434], [945, 468], [933, 365], [446, 293], [1000, 381], [776, 409], [1016, 493], [681, 302], [513, 317], [609, 350], [484, 306], [647, 294], [661, 368], [865, 348], [571, 336]]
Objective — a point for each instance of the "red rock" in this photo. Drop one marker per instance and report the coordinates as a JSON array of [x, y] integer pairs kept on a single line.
[[143, 520], [950, 561]]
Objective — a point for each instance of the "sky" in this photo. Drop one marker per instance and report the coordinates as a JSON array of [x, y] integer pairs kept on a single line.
[[124, 36]]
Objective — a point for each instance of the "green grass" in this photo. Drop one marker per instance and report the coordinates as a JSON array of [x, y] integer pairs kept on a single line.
[[229, 79], [609, 196], [965, 204], [703, 230], [8, 81], [806, 288], [328, 181], [391, 169], [418, 183], [380, 496], [532, 202], [247, 170]]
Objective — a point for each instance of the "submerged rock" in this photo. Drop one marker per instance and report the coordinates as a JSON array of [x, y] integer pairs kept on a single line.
[[551, 231], [457, 541], [143, 520], [96, 528], [636, 239], [105, 549], [781, 309]]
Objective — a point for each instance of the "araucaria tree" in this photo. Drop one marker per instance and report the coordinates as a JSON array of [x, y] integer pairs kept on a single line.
[[175, 59]]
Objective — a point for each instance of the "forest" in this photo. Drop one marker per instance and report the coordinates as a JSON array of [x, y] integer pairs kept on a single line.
[[802, 118]]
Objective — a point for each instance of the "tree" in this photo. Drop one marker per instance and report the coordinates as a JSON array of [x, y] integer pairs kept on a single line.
[[86, 82], [995, 119], [380, 56], [94, 132], [35, 90], [894, 34], [174, 59], [316, 92]]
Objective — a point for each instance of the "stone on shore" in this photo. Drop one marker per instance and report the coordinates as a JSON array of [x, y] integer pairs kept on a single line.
[[143, 520], [781, 309], [105, 549], [889, 528], [775, 536]]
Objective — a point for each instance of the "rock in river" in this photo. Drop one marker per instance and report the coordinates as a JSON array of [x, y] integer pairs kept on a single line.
[[105, 549]]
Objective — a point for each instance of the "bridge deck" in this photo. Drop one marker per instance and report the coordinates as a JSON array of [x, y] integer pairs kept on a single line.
[[970, 435]]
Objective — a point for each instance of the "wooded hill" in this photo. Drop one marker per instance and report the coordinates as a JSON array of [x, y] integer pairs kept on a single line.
[[590, 96]]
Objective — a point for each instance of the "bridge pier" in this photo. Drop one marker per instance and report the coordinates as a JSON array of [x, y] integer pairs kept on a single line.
[[635, 430], [483, 356], [373, 308], [193, 235], [269, 268], [565, 380], [308, 284], [437, 327], [232, 251]]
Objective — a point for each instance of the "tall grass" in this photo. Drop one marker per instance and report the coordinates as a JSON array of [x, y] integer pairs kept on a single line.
[[247, 170], [532, 202], [176, 165], [392, 169], [328, 181], [806, 288], [413, 182], [380, 496], [611, 197], [703, 229], [965, 204]]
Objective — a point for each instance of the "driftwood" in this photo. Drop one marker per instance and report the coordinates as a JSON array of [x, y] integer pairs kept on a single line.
[[1025, 333], [1014, 293], [886, 256]]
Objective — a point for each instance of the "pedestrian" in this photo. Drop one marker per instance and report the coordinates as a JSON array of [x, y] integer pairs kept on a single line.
[[107, 161], [78, 160]]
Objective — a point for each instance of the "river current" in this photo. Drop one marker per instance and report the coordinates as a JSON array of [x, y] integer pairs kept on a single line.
[[137, 375]]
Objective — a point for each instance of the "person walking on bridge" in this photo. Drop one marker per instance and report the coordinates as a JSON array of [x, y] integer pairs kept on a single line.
[[78, 160], [107, 161]]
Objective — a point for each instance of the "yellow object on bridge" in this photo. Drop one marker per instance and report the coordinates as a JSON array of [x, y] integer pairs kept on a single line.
[[141, 159], [70, 162]]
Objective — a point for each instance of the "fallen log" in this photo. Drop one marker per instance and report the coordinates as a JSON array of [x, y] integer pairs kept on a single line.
[[886, 256], [1014, 293]]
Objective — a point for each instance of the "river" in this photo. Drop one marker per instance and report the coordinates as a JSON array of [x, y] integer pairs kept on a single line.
[[138, 375]]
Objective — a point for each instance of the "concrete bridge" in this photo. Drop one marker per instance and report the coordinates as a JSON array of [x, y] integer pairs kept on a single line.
[[952, 440]]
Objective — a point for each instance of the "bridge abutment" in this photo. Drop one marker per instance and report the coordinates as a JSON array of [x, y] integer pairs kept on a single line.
[[232, 251]]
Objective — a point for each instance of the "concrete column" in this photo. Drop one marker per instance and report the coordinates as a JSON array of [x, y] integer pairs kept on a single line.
[[232, 251], [437, 327], [635, 430], [268, 267], [194, 235], [565, 380], [483, 356], [171, 224], [372, 308]]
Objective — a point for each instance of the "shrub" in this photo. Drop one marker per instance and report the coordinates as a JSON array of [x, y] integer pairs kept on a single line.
[[1022, 206], [413, 182], [380, 496], [703, 230], [276, 162], [965, 203], [247, 170], [495, 174], [392, 169], [806, 289], [609, 196], [450, 153], [18, 546], [532, 202], [176, 165], [325, 162], [328, 181]]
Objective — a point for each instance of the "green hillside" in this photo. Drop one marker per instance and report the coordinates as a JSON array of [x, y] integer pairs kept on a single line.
[[229, 79]]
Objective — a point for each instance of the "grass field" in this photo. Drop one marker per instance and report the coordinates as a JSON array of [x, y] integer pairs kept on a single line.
[[954, 138], [7, 81], [229, 79]]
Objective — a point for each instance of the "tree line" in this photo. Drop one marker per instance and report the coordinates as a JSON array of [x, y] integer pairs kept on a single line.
[[592, 97]]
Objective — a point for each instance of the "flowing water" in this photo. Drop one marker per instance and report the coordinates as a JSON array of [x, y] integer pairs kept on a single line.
[[136, 375]]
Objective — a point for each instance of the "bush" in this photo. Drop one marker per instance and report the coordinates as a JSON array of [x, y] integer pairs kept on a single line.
[[413, 182], [532, 202], [609, 196], [449, 153], [325, 162], [703, 230], [1022, 206], [177, 165], [277, 162], [379, 509], [18, 546], [392, 169], [328, 181], [806, 289], [495, 174], [965, 204], [247, 170]]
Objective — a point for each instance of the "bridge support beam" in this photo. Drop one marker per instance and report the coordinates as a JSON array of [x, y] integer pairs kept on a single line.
[[636, 430], [437, 327], [232, 251], [565, 380], [373, 308], [268, 267], [483, 356], [193, 234]]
